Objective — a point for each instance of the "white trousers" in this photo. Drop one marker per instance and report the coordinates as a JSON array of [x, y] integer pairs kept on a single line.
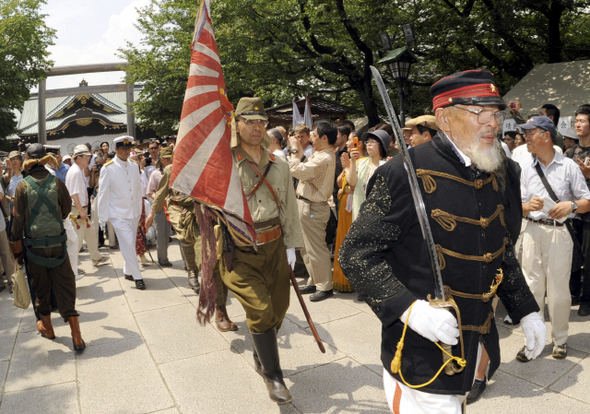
[[405, 400], [546, 264], [72, 245], [126, 230], [90, 234]]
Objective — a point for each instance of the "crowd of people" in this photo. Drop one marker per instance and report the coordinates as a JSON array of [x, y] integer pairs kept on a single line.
[[333, 204]]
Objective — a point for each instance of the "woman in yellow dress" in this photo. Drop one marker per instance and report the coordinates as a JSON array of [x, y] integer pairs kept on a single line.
[[344, 213]]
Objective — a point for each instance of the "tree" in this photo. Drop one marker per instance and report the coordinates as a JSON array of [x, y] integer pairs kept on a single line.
[[277, 50], [24, 58], [161, 62]]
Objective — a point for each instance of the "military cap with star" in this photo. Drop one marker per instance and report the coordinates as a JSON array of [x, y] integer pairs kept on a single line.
[[251, 108]]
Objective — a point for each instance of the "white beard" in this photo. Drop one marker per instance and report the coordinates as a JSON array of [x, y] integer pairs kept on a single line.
[[485, 158]]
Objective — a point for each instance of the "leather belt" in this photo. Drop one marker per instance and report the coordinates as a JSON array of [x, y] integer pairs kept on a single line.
[[268, 223], [269, 235], [547, 222], [302, 198]]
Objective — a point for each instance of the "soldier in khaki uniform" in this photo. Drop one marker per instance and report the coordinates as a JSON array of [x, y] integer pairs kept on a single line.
[[260, 278], [181, 211]]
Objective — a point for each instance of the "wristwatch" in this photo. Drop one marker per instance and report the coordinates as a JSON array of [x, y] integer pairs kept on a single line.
[[294, 151], [574, 206]]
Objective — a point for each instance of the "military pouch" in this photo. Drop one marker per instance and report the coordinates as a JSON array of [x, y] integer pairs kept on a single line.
[[187, 223]]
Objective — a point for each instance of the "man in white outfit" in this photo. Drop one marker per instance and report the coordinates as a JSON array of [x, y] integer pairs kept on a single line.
[[119, 202], [76, 184], [547, 243]]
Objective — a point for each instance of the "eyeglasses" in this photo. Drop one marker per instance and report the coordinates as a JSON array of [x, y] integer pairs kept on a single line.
[[153, 148], [251, 123], [485, 115], [532, 132]]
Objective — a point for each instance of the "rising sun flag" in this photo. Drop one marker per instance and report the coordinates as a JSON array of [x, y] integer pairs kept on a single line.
[[203, 165]]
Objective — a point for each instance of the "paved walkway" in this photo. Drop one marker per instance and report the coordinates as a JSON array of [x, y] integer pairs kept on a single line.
[[147, 354]]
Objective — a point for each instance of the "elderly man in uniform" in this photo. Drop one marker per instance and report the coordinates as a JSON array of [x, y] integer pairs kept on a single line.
[[259, 278], [547, 243], [384, 255], [119, 202], [41, 203]]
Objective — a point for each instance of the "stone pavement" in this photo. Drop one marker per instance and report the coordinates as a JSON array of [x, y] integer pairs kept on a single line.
[[147, 354]]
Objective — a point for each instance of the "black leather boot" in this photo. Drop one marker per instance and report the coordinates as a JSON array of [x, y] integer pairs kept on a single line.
[[267, 350]]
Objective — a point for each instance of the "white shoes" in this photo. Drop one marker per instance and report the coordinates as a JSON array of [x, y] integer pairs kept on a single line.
[[99, 262]]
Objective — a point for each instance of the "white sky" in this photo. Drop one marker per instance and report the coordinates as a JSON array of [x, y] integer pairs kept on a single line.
[[90, 31]]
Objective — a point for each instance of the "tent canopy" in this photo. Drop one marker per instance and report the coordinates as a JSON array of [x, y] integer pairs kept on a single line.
[[564, 85]]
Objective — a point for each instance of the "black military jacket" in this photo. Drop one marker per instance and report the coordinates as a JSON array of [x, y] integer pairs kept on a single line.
[[384, 256]]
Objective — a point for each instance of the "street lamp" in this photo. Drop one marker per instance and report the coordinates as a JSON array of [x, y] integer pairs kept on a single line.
[[399, 62]]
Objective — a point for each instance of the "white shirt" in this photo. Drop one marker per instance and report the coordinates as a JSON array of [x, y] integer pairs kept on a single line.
[[522, 151], [76, 184], [149, 170], [119, 191], [308, 151], [506, 150], [563, 175], [279, 153]]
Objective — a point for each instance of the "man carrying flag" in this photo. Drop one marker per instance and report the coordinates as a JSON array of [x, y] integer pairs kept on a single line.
[[260, 278], [208, 170]]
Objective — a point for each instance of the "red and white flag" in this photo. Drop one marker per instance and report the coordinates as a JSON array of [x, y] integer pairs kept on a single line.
[[203, 166]]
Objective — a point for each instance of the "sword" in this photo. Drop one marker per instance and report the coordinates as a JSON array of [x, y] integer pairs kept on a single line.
[[439, 294], [146, 244]]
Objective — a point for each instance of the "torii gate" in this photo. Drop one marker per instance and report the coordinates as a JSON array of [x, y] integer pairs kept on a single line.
[[81, 69]]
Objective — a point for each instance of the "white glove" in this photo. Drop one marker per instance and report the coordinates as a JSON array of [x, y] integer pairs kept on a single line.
[[535, 333], [291, 257], [432, 323]]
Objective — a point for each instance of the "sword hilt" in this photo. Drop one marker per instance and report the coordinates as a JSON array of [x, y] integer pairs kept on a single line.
[[451, 368]]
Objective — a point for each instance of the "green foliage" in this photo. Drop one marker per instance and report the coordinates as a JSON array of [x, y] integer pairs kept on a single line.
[[161, 62], [280, 49], [24, 39]]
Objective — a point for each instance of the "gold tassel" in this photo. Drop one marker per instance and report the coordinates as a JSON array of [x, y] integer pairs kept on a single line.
[[494, 182], [396, 363]]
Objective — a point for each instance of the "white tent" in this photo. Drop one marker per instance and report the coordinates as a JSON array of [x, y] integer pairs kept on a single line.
[[565, 85]]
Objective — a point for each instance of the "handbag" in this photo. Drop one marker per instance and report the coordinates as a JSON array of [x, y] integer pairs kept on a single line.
[[577, 253], [22, 296]]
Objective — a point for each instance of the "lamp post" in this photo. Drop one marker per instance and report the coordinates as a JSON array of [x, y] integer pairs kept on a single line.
[[399, 62]]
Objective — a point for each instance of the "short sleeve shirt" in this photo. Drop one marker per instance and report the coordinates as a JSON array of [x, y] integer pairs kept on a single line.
[[76, 184], [563, 175]]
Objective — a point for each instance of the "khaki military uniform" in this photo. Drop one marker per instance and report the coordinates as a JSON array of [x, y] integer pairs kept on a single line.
[[260, 278], [181, 212]]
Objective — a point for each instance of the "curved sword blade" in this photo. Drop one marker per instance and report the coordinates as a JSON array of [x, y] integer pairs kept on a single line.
[[414, 186]]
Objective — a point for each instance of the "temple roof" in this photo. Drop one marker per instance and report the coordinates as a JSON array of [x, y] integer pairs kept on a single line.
[[109, 109]]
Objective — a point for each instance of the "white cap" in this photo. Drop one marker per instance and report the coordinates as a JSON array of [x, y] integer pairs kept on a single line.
[[123, 141], [81, 150], [52, 148]]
